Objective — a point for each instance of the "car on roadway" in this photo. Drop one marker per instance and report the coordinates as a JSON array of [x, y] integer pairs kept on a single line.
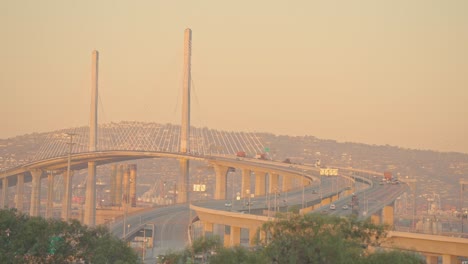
[[345, 207], [332, 206], [228, 204]]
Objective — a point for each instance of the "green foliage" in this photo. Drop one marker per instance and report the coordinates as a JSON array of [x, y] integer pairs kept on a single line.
[[317, 238], [294, 209], [174, 258], [237, 255], [399, 257], [27, 239], [300, 239], [205, 245]]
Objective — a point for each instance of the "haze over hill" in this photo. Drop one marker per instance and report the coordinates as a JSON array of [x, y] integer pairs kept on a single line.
[[377, 72]]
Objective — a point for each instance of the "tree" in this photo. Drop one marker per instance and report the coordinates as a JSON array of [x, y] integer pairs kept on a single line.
[[237, 255], [317, 238], [399, 257], [301, 239], [37, 240]]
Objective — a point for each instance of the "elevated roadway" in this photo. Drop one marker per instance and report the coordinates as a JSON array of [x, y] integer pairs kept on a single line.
[[80, 161], [171, 223]]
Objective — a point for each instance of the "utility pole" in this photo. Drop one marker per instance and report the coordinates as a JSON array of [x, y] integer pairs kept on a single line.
[[303, 187], [66, 202], [248, 194], [144, 242]]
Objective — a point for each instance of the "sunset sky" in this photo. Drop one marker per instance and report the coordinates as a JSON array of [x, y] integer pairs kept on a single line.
[[371, 71]]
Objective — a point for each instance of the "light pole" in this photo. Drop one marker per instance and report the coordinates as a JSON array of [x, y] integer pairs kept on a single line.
[[268, 203], [125, 208], [248, 194], [144, 242], [320, 189], [68, 182], [276, 197], [303, 187], [464, 213]]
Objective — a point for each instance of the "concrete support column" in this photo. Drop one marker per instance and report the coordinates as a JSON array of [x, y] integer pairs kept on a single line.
[[20, 193], [235, 236], [208, 229], [227, 236], [125, 185], [252, 236], [118, 185], [4, 198], [183, 182], [431, 259], [274, 179], [67, 194], [50, 196], [387, 215], [262, 236], [245, 182], [113, 184], [132, 184], [90, 196], [35, 192], [449, 259], [375, 218], [260, 183], [221, 182], [287, 183]]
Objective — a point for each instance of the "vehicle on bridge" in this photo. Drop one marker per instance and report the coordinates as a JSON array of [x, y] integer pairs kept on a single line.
[[241, 154], [388, 175]]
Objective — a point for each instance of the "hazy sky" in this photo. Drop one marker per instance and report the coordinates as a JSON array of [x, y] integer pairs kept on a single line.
[[378, 72]]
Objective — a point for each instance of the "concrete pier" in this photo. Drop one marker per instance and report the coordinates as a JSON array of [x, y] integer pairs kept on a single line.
[[35, 192], [20, 193]]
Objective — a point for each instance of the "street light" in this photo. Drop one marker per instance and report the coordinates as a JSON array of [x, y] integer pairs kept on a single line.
[[464, 211], [144, 243], [248, 194], [68, 182], [320, 188], [303, 187]]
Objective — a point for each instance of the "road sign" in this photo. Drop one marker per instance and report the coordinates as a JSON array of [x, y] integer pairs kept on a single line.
[[329, 172], [199, 187], [54, 243]]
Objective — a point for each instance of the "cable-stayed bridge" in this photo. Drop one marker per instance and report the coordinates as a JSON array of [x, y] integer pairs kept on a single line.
[[74, 149], [140, 136]]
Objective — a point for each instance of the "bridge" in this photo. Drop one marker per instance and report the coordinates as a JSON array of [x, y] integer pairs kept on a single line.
[[103, 144]]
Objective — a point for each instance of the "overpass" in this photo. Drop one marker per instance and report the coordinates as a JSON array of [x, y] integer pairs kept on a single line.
[[432, 247], [52, 167]]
